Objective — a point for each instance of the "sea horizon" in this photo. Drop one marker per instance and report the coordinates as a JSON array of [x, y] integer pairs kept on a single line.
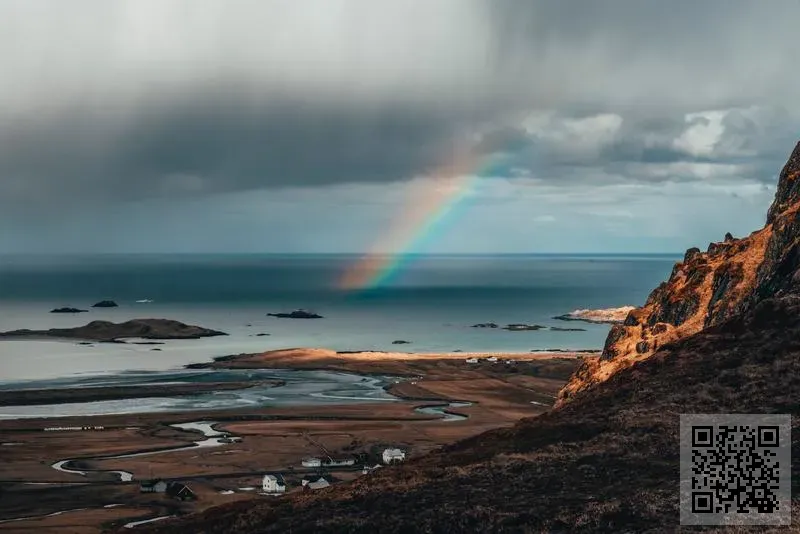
[[432, 302]]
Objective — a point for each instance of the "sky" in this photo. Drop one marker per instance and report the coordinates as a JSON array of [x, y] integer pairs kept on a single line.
[[285, 126]]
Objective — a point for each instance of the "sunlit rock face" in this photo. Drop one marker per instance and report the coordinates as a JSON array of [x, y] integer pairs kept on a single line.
[[708, 288]]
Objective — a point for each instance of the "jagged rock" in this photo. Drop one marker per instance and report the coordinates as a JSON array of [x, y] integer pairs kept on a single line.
[[728, 237], [68, 310], [726, 277], [788, 192], [616, 333], [632, 319], [642, 347], [690, 254], [105, 304], [108, 332], [297, 314], [658, 328]]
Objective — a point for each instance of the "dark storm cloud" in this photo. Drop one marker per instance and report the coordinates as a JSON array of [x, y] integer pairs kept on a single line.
[[217, 145], [128, 100]]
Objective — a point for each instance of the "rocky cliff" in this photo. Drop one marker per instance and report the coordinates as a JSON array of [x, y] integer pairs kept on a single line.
[[708, 288]]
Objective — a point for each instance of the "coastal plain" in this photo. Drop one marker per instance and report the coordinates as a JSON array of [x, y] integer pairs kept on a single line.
[[487, 391]]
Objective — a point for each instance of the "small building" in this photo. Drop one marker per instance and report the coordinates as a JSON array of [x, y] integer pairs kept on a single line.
[[153, 486], [472, 360], [311, 462], [315, 484], [338, 462], [492, 359], [180, 491], [273, 484], [367, 469], [391, 456]]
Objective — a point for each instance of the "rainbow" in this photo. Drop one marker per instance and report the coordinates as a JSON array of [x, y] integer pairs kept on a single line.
[[421, 220]]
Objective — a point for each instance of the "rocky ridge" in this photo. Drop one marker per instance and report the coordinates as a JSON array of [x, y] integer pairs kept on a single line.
[[708, 288]]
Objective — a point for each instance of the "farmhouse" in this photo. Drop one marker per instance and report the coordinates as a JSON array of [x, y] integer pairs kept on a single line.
[[311, 462], [153, 486], [316, 484], [273, 484], [391, 456]]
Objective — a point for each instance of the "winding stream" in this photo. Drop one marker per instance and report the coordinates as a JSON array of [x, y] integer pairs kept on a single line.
[[212, 436], [441, 410]]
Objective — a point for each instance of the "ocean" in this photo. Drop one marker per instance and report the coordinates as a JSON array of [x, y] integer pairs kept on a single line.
[[432, 303]]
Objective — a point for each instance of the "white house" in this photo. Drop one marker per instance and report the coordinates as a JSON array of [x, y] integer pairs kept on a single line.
[[393, 455], [315, 484], [472, 360], [273, 484], [491, 359], [312, 462]]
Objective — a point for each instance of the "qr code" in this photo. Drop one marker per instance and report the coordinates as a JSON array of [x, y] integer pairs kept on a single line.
[[735, 469]]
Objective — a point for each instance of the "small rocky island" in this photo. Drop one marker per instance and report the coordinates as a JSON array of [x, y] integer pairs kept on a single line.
[[105, 304], [523, 327], [108, 332], [606, 315], [297, 314], [68, 310]]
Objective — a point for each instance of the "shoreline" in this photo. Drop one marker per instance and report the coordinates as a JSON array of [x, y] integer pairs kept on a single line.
[[37, 397]]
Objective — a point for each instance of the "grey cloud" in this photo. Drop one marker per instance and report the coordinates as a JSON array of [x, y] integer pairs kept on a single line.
[[133, 99]]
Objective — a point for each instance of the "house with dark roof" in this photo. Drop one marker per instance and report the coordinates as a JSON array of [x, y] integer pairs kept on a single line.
[[180, 491]]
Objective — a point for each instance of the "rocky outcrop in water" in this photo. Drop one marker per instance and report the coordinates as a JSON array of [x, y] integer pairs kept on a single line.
[[68, 310], [106, 331], [606, 315], [297, 314], [708, 288], [522, 327], [105, 304]]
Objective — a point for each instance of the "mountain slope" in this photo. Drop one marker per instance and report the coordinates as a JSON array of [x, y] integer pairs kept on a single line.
[[708, 288], [722, 335], [606, 462]]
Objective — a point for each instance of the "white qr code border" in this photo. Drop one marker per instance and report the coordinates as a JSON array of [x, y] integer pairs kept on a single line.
[[700, 440]]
